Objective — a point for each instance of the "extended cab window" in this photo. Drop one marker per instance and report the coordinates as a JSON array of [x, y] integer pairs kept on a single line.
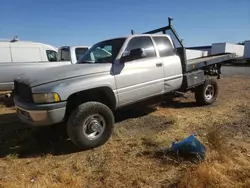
[[142, 42], [80, 52], [164, 46], [65, 54]]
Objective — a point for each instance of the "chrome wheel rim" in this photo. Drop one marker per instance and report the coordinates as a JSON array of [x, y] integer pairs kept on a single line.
[[209, 92], [94, 126]]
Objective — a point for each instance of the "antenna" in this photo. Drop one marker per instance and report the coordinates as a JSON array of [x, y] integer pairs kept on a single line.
[[170, 19], [15, 39]]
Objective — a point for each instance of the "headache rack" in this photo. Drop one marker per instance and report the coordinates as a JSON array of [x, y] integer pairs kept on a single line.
[[210, 64]]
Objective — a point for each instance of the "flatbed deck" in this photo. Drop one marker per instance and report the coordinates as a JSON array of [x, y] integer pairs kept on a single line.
[[198, 63]]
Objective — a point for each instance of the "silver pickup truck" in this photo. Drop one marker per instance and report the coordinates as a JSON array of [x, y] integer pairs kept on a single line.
[[137, 67], [9, 71]]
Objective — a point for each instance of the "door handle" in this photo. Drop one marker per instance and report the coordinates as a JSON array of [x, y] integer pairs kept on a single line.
[[158, 64]]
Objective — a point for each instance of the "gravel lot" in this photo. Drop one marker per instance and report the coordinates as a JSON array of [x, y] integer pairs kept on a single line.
[[236, 70]]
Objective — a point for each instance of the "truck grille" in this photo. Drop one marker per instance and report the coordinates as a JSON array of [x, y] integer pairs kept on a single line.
[[23, 91]]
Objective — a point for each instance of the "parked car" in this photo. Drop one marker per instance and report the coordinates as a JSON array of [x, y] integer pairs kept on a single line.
[[137, 67], [67, 55]]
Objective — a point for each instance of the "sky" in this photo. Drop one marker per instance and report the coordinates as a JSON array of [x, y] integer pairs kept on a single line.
[[86, 22]]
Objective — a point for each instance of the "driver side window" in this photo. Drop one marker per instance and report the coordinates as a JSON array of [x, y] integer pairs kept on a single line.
[[141, 42]]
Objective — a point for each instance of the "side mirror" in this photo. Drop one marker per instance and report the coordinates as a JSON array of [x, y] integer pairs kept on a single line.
[[134, 54], [138, 53]]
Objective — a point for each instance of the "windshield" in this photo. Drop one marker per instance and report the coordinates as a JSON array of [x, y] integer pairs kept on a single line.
[[103, 52]]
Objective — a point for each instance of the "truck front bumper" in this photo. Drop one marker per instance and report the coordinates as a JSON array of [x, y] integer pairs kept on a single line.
[[40, 114]]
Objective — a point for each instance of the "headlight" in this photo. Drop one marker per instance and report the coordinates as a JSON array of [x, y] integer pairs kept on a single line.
[[46, 97]]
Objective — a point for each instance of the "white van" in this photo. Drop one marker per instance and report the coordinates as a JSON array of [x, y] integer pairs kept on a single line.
[[24, 51]]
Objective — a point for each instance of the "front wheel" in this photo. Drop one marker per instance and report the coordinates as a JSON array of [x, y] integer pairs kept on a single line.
[[90, 125], [206, 93]]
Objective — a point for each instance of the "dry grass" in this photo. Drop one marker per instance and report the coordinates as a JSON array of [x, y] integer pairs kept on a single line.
[[41, 158], [223, 167]]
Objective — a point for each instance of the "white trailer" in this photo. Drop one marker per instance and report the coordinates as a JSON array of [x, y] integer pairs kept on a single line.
[[206, 49], [218, 48], [247, 50], [192, 54]]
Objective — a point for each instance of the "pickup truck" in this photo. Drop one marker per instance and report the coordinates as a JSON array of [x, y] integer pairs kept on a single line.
[[86, 94], [9, 71]]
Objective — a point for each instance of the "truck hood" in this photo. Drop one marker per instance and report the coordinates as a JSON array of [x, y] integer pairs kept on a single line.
[[54, 74]]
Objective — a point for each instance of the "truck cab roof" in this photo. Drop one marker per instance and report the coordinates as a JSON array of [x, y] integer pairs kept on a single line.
[[139, 35]]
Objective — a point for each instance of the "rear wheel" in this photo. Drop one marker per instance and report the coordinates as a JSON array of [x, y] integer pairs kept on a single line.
[[206, 93], [90, 125]]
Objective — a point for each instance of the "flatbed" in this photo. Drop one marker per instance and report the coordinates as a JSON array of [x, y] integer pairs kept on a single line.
[[198, 63]]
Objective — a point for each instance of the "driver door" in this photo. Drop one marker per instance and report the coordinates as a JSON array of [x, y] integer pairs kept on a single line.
[[141, 77]]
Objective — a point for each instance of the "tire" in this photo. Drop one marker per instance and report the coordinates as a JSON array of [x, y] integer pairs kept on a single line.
[[90, 118], [206, 93]]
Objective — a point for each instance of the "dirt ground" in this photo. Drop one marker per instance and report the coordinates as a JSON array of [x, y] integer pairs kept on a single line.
[[131, 158]]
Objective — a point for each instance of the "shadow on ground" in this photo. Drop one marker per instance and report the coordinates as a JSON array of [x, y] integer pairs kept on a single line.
[[16, 138], [19, 139], [178, 104]]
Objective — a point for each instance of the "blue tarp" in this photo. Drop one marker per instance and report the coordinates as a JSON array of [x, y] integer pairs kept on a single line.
[[189, 146]]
